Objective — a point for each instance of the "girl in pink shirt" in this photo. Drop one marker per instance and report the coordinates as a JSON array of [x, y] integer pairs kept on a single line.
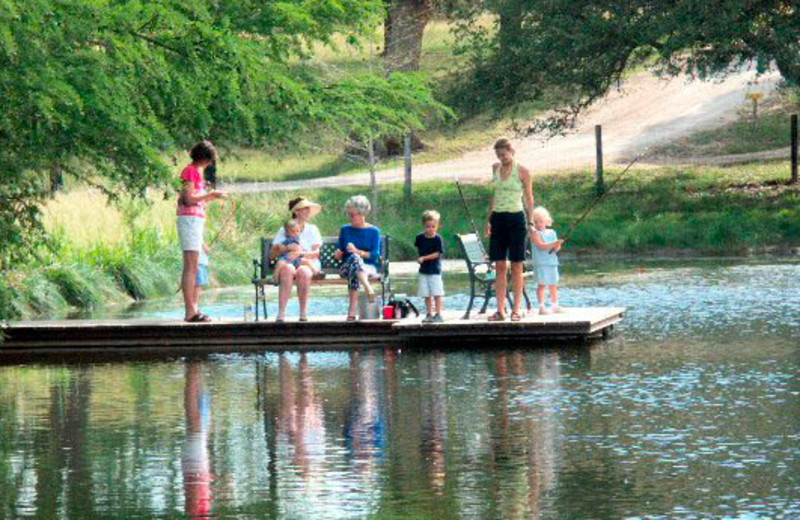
[[191, 223]]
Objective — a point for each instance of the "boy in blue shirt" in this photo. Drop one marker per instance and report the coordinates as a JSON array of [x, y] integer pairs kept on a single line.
[[430, 248]]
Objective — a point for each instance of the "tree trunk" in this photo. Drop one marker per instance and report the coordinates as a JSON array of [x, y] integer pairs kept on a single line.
[[510, 32], [403, 29], [56, 179], [789, 67]]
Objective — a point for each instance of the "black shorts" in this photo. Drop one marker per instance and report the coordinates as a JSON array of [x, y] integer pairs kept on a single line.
[[507, 241]]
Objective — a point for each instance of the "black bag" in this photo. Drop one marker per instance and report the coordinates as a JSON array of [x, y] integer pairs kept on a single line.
[[402, 306]]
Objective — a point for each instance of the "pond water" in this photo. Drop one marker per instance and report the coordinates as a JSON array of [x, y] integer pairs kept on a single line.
[[691, 411]]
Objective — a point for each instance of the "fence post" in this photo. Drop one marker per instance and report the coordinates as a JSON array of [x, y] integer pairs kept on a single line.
[[407, 166], [794, 149], [600, 187]]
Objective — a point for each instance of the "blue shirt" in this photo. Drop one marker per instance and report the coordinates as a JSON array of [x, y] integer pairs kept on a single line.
[[543, 256], [426, 246], [366, 239]]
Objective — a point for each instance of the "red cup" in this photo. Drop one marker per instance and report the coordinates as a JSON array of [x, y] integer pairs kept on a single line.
[[388, 312]]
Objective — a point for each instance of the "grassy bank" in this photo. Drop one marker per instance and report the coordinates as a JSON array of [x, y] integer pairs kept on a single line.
[[127, 253], [720, 210]]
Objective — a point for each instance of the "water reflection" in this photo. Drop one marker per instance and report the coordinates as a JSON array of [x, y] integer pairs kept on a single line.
[[195, 463], [616, 431], [62, 467]]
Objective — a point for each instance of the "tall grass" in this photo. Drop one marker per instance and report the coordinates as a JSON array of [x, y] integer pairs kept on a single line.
[[103, 253]]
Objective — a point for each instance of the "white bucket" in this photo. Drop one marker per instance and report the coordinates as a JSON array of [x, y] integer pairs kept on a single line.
[[367, 310]]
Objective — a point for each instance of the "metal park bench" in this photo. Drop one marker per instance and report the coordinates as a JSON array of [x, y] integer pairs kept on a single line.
[[328, 275], [482, 276]]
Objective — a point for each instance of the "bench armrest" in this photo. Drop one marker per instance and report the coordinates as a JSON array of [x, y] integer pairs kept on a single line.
[[256, 270]]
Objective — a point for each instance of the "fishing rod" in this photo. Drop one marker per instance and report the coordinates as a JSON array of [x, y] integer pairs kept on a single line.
[[599, 198], [224, 229], [466, 208]]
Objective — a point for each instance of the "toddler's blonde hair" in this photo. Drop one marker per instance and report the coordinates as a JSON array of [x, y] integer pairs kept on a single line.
[[429, 215], [541, 214], [290, 224]]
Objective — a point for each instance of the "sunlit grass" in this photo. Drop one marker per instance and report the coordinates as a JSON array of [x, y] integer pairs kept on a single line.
[[87, 218]]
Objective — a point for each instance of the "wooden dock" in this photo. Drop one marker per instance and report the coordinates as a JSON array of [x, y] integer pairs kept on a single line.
[[324, 332]]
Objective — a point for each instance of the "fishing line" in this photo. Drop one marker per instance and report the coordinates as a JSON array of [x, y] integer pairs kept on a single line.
[[226, 227], [472, 222], [600, 197]]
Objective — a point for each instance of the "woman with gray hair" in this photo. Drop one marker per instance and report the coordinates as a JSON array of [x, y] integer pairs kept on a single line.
[[359, 250]]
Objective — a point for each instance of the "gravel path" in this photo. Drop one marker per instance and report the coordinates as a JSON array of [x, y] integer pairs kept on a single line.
[[646, 111]]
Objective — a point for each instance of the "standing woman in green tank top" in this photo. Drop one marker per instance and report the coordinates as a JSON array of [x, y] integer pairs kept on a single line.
[[506, 226]]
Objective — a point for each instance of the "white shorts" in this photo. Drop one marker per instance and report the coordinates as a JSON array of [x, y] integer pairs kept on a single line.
[[190, 232], [430, 285]]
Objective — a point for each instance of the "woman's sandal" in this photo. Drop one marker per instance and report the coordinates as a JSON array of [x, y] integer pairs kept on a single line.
[[497, 317], [303, 318], [515, 316], [351, 319], [198, 318]]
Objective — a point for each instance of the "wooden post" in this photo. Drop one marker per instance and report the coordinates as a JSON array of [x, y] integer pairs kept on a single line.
[[755, 97], [407, 156], [598, 137], [372, 178], [794, 149]]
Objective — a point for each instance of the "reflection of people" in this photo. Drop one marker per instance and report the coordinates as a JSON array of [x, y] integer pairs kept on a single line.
[[302, 420], [526, 430], [505, 227], [310, 240], [365, 422], [195, 464], [191, 223], [430, 249], [359, 251], [545, 260], [435, 414]]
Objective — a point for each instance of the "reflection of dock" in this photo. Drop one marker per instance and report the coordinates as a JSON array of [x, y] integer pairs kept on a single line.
[[321, 332]]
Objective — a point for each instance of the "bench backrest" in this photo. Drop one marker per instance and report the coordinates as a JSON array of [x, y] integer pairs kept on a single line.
[[476, 255], [327, 261], [473, 250]]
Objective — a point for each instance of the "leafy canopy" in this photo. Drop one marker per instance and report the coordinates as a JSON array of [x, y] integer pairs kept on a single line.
[[582, 47], [102, 89]]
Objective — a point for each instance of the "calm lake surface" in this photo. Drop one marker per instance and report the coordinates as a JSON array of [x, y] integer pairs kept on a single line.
[[691, 411]]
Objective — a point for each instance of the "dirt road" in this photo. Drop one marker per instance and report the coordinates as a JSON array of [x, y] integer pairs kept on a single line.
[[646, 111]]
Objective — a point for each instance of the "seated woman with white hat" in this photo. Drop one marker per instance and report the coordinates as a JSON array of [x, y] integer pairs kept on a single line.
[[310, 241]]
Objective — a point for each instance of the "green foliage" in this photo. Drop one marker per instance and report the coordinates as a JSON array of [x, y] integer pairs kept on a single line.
[[365, 106], [104, 90], [7, 308]]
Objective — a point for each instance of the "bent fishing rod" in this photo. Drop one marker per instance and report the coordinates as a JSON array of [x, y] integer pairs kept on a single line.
[[599, 198]]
